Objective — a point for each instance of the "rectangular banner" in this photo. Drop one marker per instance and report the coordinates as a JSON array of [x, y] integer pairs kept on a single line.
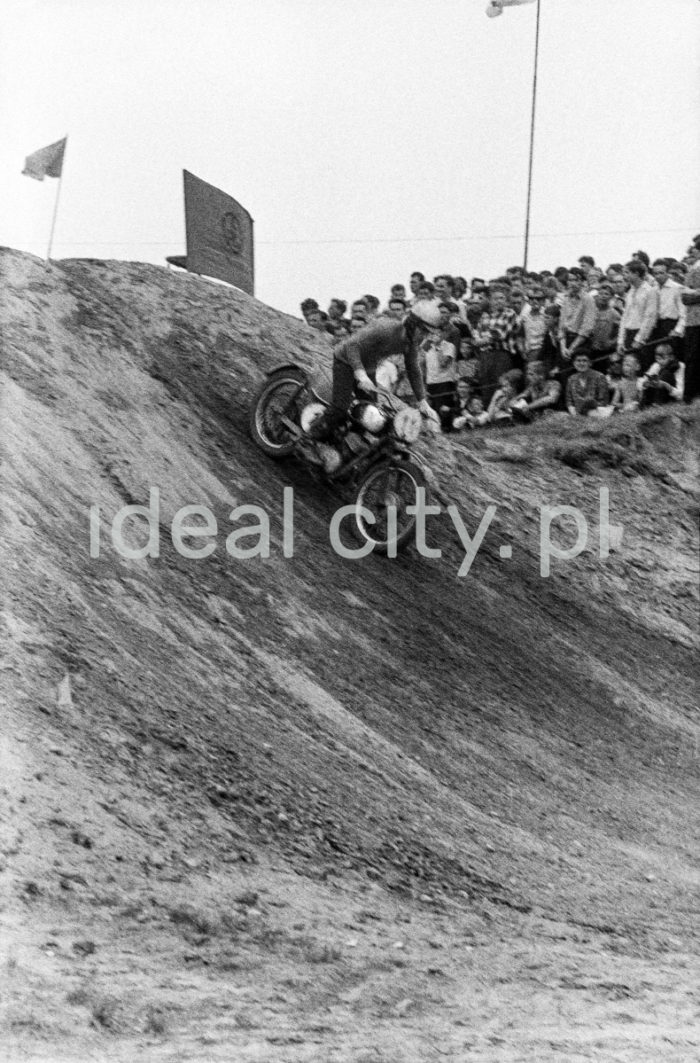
[[219, 235]]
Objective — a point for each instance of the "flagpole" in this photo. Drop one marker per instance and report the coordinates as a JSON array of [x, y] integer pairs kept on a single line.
[[55, 212], [532, 138]]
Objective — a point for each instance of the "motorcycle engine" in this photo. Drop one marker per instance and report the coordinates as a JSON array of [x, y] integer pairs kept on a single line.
[[311, 412]]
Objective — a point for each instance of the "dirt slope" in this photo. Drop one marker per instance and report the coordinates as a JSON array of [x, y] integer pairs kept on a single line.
[[311, 808]]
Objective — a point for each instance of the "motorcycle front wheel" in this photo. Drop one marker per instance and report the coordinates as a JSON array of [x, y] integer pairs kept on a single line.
[[386, 492], [280, 398]]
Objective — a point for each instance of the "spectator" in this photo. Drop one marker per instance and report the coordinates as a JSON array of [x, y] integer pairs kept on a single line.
[[586, 263], [465, 393], [426, 290], [465, 349], [359, 309], [514, 275], [614, 373], [540, 394], [518, 302], [500, 409], [475, 415], [318, 319], [453, 329], [440, 376], [534, 326], [578, 315], [336, 317], [671, 320], [678, 272], [594, 279], [416, 279], [459, 287], [691, 300], [372, 304], [605, 330], [620, 287], [357, 321], [641, 256], [625, 389], [396, 308], [398, 291], [443, 286], [468, 366], [615, 269], [550, 352], [640, 313], [476, 306], [664, 381], [459, 290], [587, 391], [495, 337], [552, 290], [306, 306]]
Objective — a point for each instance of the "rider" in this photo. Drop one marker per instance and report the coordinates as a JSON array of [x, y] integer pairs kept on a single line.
[[356, 358]]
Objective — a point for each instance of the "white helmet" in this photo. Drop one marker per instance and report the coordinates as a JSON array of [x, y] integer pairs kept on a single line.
[[428, 312]]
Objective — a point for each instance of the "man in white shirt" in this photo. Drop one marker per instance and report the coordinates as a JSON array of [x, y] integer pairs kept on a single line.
[[534, 326], [640, 314], [671, 320]]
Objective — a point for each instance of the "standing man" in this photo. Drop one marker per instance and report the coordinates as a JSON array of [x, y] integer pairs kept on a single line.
[[606, 328], [414, 284], [576, 324], [578, 315], [691, 300], [620, 287], [671, 320], [534, 326], [640, 314], [496, 338], [443, 286]]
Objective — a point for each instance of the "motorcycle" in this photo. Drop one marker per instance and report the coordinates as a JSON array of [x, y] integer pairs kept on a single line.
[[369, 460]]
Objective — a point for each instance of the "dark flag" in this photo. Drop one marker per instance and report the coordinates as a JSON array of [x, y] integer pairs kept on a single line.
[[47, 162], [219, 235]]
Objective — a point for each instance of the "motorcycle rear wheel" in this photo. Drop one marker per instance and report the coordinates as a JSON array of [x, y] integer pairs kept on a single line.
[[394, 484], [281, 395]]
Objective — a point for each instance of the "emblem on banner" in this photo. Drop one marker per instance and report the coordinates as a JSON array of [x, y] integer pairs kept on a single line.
[[233, 233]]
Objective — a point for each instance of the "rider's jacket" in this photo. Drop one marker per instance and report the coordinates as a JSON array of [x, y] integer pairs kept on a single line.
[[379, 340]]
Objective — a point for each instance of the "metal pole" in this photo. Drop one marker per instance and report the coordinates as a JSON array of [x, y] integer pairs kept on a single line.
[[55, 212], [532, 138]]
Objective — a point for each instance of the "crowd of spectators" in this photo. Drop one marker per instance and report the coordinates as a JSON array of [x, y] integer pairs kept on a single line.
[[580, 340]]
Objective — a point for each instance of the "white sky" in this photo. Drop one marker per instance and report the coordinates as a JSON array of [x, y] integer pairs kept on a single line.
[[367, 138]]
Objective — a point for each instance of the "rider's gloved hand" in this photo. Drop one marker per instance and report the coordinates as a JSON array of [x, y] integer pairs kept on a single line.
[[363, 381], [427, 410], [430, 415]]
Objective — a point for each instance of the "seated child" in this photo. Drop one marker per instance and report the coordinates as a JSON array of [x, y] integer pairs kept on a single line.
[[614, 372], [465, 392], [541, 393], [475, 416], [500, 408], [664, 381], [625, 389]]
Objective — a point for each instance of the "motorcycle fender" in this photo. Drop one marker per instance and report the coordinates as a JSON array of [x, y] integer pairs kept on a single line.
[[394, 456], [289, 365]]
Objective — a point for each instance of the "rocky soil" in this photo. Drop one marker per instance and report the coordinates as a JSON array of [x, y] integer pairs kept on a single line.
[[308, 808]]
